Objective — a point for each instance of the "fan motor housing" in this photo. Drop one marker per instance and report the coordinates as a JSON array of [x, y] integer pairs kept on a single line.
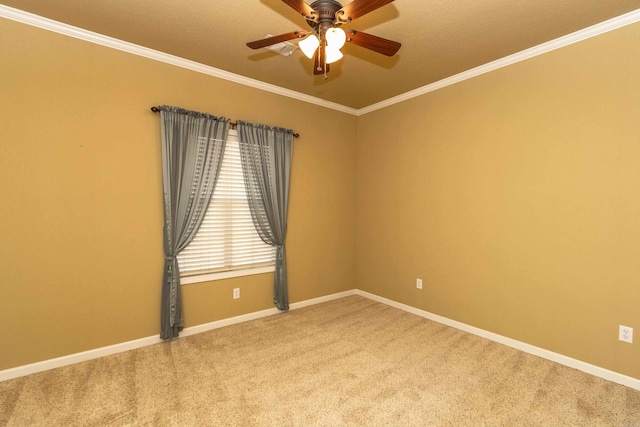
[[326, 10]]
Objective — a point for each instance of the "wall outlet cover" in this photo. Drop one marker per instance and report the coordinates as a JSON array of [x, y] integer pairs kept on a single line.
[[625, 334]]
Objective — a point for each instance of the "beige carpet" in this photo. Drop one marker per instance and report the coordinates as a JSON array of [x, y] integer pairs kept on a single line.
[[350, 362]]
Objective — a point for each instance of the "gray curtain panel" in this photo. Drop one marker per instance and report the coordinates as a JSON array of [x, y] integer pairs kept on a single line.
[[192, 148], [265, 153]]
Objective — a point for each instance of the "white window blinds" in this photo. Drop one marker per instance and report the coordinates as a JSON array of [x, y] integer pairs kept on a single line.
[[227, 239]]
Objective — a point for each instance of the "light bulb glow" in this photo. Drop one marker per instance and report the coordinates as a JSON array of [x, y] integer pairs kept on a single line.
[[309, 45], [332, 54], [336, 38]]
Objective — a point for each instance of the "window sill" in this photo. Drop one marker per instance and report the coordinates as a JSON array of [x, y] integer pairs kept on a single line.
[[187, 280]]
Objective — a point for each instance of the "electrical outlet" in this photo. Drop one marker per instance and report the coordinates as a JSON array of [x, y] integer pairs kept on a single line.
[[626, 334], [419, 283], [236, 293]]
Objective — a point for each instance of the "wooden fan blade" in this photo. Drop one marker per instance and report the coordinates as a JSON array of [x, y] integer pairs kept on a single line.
[[257, 44], [319, 61], [302, 8], [375, 43], [357, 8]]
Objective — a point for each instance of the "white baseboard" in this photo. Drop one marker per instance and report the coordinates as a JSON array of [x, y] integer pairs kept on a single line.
[[59, 362], [259, 314], [320, 300], [518, 345]]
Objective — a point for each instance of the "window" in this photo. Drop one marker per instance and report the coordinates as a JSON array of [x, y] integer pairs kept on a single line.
[[227, 244]]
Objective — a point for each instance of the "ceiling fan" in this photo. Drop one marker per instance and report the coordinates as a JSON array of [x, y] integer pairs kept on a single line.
[[324, 41]]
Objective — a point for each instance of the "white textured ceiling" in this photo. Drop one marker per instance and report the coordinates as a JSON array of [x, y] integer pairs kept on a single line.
[[440, 38]]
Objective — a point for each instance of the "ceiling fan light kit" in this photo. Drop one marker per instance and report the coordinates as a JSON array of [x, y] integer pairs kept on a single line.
[[324, 42], [309, 45], [333, 55], [336, 37]]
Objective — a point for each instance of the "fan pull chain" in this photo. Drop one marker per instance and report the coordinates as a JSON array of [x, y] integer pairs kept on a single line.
[[325, 64], [325, 69]]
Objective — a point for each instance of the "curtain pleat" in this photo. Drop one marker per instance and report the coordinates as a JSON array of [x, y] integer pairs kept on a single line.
[[265, 153], [192, 149]]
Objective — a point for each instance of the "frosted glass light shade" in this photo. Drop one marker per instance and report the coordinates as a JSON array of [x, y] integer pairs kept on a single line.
[[309, 45], [332, 54], [336, 38]]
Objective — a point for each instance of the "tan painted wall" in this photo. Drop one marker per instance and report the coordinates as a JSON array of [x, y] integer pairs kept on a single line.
[[515, 196], [80, 195]]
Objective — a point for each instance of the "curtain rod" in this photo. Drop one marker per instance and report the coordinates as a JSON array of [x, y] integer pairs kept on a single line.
[[232, 124]]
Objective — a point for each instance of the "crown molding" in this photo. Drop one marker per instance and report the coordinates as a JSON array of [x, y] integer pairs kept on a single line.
[[89, 36], [578, 36], [79, 33]]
